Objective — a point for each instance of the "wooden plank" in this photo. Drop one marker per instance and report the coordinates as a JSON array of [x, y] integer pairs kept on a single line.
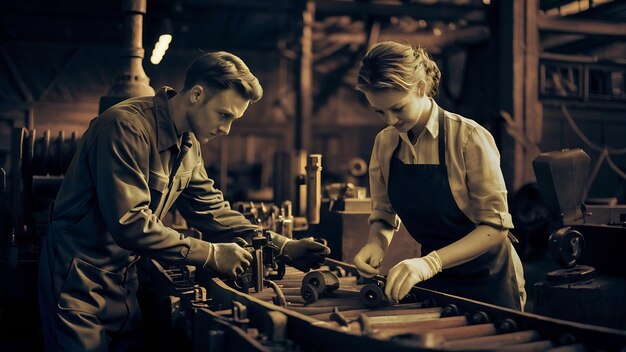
[[304, 77], [474, 13], [519, 41], [580, 26], [533, 111]]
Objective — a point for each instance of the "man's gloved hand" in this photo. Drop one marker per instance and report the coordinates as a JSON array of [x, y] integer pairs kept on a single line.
[[228, 260], [305, 254], [409, 272], [368, 260]]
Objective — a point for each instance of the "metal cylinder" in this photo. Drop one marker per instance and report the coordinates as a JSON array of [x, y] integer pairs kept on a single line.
[[313, 188], [286, 220]]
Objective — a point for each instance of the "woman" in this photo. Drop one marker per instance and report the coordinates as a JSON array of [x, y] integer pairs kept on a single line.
[[439, 173]]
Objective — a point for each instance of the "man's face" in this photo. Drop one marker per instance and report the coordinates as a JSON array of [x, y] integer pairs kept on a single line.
[[214, 111]]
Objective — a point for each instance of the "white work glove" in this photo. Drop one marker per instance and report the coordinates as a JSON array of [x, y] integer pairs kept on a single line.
[[228, 260], [368, 260], [404, 275]]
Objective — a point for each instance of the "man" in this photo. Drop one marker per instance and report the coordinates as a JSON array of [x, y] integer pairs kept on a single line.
[[134, 161]]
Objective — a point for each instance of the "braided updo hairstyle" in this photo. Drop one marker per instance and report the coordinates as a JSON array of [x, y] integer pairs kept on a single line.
[[398, 66]]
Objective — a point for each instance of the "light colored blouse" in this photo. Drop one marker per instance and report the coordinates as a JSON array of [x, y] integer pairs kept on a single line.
[[473, 164]]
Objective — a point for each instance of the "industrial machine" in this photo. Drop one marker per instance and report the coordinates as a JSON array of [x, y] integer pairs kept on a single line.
[[274, 306], [587, 241], [212, 314]]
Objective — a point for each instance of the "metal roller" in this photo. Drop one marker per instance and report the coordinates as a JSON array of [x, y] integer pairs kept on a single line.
[[438, 322], [317, 284], [566, 246], [40, 154], [372, 295]]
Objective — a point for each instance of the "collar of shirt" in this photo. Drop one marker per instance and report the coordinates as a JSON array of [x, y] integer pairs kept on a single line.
[[432, 126], [167, 136]]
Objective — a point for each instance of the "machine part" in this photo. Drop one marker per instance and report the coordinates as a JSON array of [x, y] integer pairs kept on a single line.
[[562, 180], [331, 323], [339, 318], [393, 320], [577, 273], [240, 315], [323, 280], [338, 192], [264, 263], [450, 310], [479, 317], [275, 327], [314, 188], [131, 79], [309, 293], [258, 269], [280, 296], [40, 154], [566, 246], [372, 295], [286, 220], [507, 325], [493, 342], [357, 167]]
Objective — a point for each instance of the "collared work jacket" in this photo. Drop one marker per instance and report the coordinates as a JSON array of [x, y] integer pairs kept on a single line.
[[117, 189]]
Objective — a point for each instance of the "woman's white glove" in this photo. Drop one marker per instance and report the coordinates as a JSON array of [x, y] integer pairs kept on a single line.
[[367, 261], [404, 275]]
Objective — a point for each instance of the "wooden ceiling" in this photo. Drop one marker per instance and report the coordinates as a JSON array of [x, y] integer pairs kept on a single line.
[[260, 25]]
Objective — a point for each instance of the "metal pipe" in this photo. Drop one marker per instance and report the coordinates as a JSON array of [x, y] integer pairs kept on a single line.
[[430, 325], [314, 188], [494, 341], [131, 80]]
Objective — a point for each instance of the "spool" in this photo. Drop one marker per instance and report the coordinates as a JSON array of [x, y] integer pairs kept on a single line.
[[566, 246], [372, 295], [309, 293], [323, 282]]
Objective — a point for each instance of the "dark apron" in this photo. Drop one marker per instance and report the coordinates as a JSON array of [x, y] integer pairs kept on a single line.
[[421, 195]]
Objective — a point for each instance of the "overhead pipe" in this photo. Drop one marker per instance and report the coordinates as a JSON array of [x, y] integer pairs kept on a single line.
[[131, 80]]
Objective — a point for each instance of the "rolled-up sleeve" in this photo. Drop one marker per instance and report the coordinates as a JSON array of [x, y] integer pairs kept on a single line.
[[381, 206], [204, 207], [119, 160], [485, 183]]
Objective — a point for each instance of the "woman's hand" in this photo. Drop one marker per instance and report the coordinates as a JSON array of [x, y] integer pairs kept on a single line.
[[367, 261], [404, 275]]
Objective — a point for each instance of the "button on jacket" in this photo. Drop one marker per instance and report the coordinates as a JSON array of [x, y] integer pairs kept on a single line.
[[473, 164], [122, 181]]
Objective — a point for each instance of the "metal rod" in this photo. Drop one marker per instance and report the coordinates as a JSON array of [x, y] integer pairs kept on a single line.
[[495, 340]]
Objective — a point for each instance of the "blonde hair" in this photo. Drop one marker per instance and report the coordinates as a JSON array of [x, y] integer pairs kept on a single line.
[[398, 66]]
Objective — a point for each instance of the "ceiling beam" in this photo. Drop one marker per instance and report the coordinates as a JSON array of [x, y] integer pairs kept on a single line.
[[580, 26], [437, 11], [609, 10]]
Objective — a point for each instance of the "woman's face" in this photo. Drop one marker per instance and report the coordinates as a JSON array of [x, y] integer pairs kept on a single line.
[[398, 108]]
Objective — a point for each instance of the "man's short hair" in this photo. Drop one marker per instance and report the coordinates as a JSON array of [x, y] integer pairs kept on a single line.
[[223, 70]]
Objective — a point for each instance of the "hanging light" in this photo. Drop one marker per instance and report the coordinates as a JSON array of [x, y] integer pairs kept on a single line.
[[163, 43]]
